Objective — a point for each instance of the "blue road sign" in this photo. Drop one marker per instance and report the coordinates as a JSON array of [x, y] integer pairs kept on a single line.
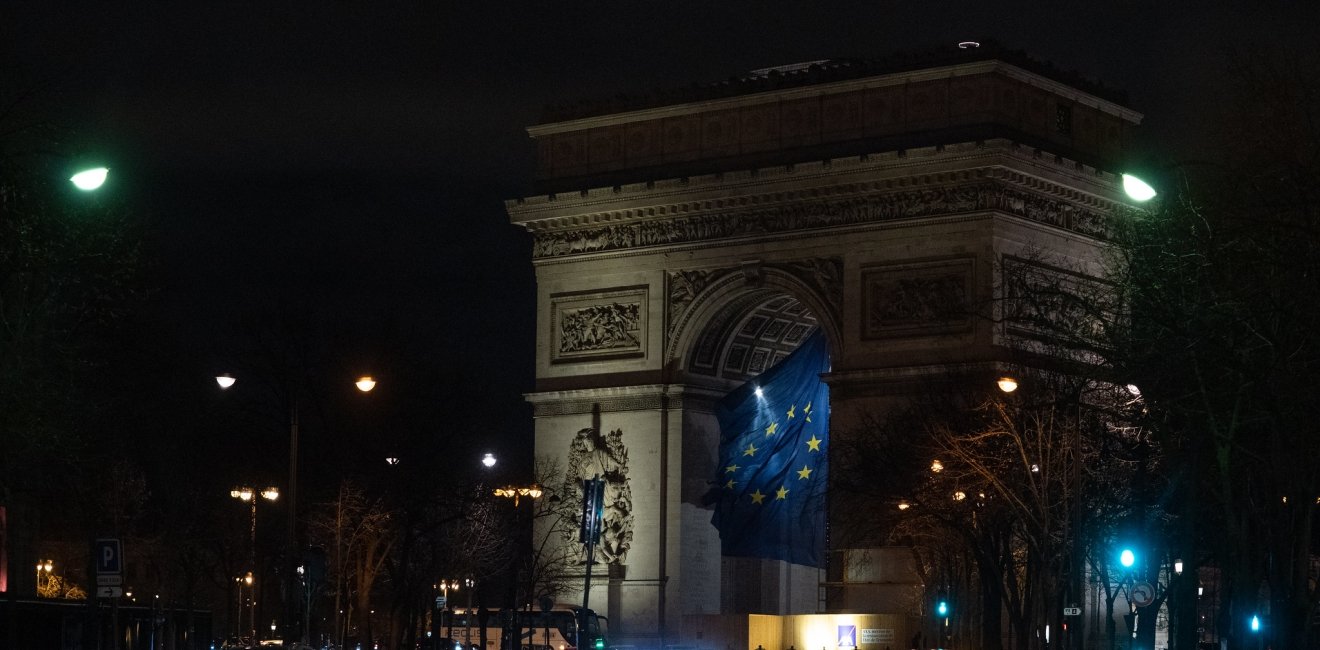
[[109, 556]]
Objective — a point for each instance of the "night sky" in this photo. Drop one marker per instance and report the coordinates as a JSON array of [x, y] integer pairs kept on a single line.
[[337, 170]]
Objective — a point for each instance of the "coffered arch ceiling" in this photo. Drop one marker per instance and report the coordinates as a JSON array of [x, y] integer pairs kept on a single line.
[[751, 334]]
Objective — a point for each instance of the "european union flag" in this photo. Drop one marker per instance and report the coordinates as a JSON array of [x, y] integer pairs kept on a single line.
[[770, 492]]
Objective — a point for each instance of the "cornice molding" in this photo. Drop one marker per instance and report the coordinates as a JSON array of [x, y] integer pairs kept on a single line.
[[731, 216], [801, 92], [878, 172], [651, 397]]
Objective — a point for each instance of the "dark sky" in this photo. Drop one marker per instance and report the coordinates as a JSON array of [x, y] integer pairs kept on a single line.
[[343, 164], [443, 89]]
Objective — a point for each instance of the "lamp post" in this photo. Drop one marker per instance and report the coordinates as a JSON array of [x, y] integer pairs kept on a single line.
[[517, 492], [252, 605], [442, 605], [250, 496], [44, 566], [365, 384]]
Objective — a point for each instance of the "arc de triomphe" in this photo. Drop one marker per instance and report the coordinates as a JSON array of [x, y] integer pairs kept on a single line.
[[686, 242]]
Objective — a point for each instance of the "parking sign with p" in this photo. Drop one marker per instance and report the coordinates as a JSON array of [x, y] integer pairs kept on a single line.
[[109, 557]]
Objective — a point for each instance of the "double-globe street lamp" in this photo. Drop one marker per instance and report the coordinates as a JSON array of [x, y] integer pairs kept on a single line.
[[250, 496], [523, 550], [365, 384], [46, 567]]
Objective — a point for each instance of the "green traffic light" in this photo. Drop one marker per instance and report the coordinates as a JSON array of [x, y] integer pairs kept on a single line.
[[942, 608]]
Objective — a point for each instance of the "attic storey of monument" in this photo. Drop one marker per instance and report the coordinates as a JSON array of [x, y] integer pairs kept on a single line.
[[684, 249]]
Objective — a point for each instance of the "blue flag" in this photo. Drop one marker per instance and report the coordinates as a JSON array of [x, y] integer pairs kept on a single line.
[[769, 493]]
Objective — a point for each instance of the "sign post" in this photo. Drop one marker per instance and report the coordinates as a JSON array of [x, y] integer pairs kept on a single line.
[[593, 511], [108, 559]]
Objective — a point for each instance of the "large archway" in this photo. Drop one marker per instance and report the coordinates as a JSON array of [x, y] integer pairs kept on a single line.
[[681, 249]]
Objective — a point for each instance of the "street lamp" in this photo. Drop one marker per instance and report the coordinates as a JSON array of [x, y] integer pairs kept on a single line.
[[1007, 384], [226, 381], [249, 495], [1137, 189], [90, 179], [44, 566], [364, 384], [252, 604], [516, 492], [442, 605]]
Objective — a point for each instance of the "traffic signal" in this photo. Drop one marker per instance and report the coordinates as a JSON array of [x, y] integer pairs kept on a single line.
[[942, 606], [1255, 624], [1127, 558]]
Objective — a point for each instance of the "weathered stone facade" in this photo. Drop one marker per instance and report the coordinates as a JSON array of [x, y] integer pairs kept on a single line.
[[658, 295]]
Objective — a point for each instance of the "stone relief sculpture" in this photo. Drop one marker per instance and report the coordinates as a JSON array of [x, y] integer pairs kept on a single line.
[[954, 199], [683, 289], [608, 326], [592, 454], [904, 300], [824, 274], [1044, 302]]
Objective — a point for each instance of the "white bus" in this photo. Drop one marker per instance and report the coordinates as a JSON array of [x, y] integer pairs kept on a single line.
[[560, 628]]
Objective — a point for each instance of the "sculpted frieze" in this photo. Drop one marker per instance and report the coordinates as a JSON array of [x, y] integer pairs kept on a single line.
[[807, 215], [599, 325], [595, 455]]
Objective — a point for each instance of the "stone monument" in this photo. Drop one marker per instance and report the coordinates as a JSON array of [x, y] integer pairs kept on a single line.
[[685, 242]]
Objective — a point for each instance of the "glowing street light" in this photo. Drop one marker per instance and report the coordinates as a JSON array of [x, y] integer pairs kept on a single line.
[[1137, 189], [44, 566], [516, 492], [1007, 384], [488, 460], [249, 495], [90, 179]]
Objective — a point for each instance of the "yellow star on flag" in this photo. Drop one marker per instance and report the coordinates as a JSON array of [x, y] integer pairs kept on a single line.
[[770, 430], [757, 497], [791, 410], [730, 469], [806, 410], [814, 443], [750, 450], [805, 472], [781, 493], [730, 484]]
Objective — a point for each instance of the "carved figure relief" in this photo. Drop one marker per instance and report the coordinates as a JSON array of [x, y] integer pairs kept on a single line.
[[683, 289], [1046, 303], [605, 324], [824, 274], [954, 199], [590, 455], [916, 299], [599, 327]]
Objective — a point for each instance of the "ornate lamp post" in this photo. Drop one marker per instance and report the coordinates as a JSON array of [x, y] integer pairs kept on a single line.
[[517, 492], [46, 567], [250, 496]]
